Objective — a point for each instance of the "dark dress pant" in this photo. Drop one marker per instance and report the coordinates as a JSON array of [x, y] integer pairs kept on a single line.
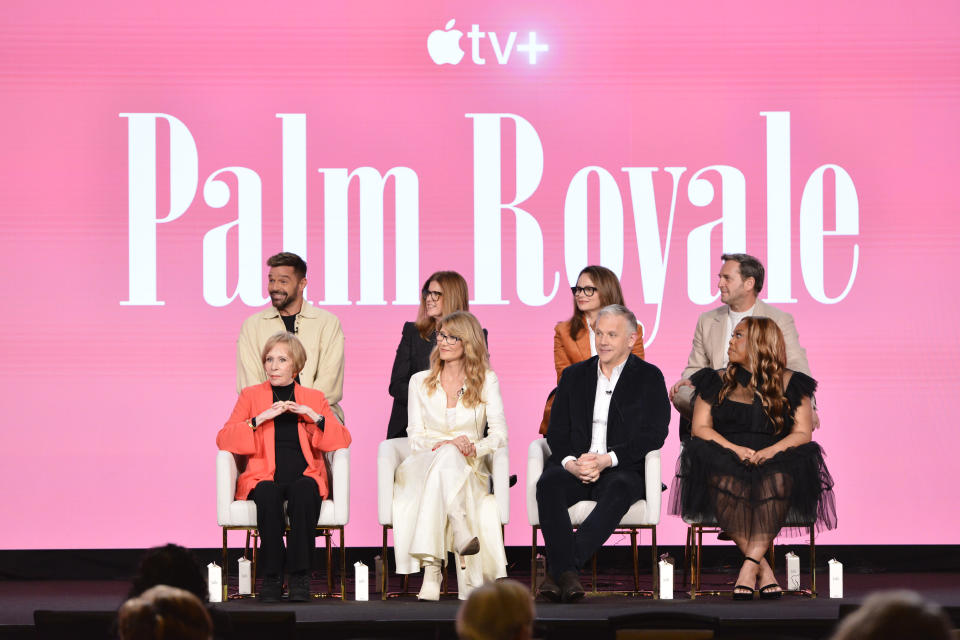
[[303, 509], [557, 490]]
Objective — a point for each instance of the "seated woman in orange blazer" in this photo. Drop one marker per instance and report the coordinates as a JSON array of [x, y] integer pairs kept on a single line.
[[573, 340], [284, 429]]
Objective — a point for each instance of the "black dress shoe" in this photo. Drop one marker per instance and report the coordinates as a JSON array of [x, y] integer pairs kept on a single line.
[[570, 588], [270, 590], [299, 586], [550, 590]]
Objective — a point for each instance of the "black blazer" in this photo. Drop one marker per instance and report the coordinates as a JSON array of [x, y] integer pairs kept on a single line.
[[637, 423], [413, 355]]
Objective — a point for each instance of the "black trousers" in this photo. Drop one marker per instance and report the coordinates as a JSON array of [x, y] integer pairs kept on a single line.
[[303, 508], [557, 490]]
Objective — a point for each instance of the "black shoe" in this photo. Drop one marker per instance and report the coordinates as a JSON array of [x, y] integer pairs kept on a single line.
[[723, 535], [550, 590], [270, 590], [299, 585], [570, 588]]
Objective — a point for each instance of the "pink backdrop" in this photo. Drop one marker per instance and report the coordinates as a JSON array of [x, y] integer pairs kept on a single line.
[[111, 401]]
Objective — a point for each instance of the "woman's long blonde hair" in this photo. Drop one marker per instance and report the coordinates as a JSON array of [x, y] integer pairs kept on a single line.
[[476, 361], [767, 360]]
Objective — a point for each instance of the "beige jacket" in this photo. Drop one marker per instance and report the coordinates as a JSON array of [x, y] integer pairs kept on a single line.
[[322, 337], [710, 342]]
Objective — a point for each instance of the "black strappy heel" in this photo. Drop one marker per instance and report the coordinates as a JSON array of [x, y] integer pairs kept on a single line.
[[747, 593]]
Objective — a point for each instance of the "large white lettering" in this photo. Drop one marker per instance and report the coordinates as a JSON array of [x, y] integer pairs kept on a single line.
[[216, 193], [575, 228], [490, 204], [812, 232], [335, 189], [701, 267], [487, 210], [142, 186]]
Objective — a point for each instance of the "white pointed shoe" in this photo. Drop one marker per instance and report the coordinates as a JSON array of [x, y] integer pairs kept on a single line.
[[430, 590]]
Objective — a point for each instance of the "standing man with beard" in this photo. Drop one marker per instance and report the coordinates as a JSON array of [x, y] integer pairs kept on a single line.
[[318, 330]]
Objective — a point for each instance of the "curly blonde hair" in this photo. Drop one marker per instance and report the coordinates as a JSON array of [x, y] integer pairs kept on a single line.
[[767, 360], [476, 361]]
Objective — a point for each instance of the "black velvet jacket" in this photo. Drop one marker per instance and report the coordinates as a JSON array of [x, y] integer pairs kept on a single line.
[[639, 412]]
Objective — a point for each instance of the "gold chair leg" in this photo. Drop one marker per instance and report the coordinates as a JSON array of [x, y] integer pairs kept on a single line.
[[636, 563], [224, 560], [446, 565], [594, 563], [343, 566], [813, 563], [328, 537], [655, 563], [386, 568], [253, 565], [533, 563]]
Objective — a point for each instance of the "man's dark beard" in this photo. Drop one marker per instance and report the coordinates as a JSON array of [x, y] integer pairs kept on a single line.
[[282, 302]]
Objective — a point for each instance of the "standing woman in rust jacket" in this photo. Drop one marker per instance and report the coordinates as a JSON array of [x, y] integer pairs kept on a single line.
[[573, 340], [284, 429]]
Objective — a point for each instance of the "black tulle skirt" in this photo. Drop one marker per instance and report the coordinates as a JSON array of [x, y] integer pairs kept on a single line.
[[785, 495]]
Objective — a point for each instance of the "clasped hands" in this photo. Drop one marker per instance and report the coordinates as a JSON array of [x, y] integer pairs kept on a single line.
[[462, 443], [588, 466], [283, 406], [750, 457]]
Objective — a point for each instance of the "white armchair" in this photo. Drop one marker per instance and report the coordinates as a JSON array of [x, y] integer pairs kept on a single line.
[[389, 456], [643, 514], [242, 514]]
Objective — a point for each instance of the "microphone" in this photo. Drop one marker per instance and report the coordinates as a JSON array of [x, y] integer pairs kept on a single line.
[[609, 392], [460, 393]]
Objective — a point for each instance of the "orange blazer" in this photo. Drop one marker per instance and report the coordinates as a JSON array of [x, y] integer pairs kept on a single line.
[[567, 351], [236, 436]]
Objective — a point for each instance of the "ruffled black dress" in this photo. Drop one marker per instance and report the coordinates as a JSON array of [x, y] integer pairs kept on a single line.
[[794, 486]]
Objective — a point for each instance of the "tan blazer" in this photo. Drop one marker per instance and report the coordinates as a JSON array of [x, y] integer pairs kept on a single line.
[[710, 342], [567, 351]]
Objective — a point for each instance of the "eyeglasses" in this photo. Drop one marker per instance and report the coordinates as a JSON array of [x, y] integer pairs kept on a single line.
[[444, 338], [432, 296], [587, 291]]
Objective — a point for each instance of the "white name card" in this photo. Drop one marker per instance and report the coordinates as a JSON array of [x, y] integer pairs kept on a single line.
[[836, 578], [666, 579], [215, 582], [793, 572], [245, 574], [361, 581]]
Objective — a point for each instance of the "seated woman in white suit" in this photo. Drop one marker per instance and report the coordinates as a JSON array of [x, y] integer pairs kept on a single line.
[[441, 499]]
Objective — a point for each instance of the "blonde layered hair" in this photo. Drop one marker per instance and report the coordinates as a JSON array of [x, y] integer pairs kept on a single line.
[[476, 361], [501, 610], [767, 360]]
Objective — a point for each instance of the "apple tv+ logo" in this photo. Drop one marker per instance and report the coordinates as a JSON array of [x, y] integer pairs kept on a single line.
[[443, 45]]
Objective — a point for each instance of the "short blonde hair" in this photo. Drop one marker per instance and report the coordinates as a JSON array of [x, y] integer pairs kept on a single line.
[[501, 610], [294, 347], [162, 613]]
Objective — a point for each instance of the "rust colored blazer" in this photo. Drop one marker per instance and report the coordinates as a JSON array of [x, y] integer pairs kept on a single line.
[[567, 351], [236, 436]]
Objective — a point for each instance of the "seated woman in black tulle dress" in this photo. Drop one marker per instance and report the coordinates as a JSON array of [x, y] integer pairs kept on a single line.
[[751, 459]]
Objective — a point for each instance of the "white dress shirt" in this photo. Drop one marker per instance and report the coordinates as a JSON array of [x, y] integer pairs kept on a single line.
[[601, 409]]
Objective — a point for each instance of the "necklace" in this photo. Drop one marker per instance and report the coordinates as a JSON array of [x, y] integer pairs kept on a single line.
[[276, 396]]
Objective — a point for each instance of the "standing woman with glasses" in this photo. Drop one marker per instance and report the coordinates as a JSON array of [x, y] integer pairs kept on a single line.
[[443, 293], [441, 499], [573, 339]]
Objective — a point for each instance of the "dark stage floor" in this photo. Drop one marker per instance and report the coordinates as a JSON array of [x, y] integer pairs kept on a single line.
[[405, 617]]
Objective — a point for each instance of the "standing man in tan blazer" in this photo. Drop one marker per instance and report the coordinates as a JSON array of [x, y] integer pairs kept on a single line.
[[318, 330], [740, 281]]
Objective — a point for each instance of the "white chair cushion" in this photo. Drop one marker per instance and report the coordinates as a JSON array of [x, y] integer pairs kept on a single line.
[[243, 513]]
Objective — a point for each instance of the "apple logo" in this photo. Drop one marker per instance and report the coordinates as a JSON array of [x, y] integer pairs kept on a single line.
[[444, 46]]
